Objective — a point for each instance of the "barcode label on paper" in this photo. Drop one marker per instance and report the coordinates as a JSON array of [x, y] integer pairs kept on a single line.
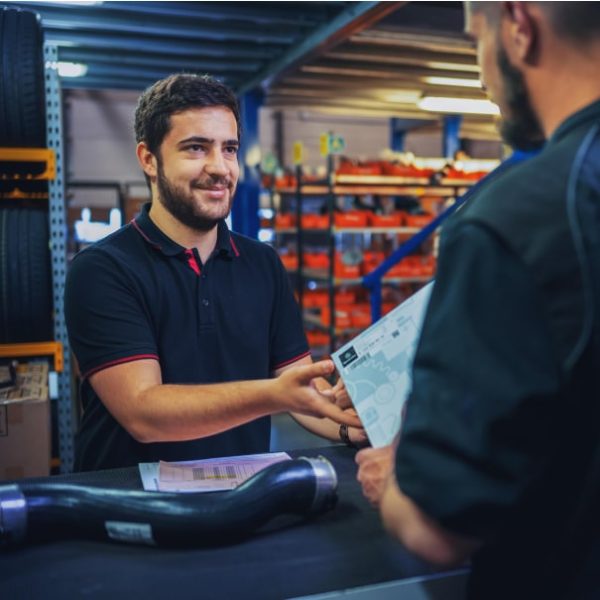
[[226, 472], [360, 361]]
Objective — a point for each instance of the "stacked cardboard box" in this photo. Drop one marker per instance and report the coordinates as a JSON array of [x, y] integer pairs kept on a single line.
[[25, 424]]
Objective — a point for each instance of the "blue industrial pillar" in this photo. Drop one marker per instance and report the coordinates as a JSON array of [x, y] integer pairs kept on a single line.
[[451, 141], [244, 214], [397, 135]]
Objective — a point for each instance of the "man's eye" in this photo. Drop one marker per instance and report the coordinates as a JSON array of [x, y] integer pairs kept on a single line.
[[231, 149], [195, 148]]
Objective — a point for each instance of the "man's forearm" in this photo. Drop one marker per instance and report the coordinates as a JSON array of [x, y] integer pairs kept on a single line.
[[154, 412], [184, 412], [325, 428]]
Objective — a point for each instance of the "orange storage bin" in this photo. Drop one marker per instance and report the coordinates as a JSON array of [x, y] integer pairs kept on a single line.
[[418, 220], [371, 260], [361, 315], [407, 267], [387, 307], [341, 269], [347, 167], [312, 221], [315, 298], [344, 298], [317, 338], [342, 318], [285, 220], [352, 218], [316, 260], [290, 261], [347, 271], [392, 220]]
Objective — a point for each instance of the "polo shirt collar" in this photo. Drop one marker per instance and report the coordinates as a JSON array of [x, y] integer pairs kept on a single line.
[[149, 231], [587, 114]]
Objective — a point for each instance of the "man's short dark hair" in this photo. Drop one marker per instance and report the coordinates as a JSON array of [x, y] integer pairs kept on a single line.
[[577, 21], [173, 95]]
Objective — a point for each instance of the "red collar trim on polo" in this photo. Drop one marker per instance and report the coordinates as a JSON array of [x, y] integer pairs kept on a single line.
[[233, 246], [143, 224]]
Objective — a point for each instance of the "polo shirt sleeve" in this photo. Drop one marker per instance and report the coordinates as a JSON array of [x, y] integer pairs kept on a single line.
[[287, 340], [105, 316], [479, 418]]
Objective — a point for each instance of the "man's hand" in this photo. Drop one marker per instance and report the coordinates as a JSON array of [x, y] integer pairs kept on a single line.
[[295, 391], [357, 435], [375, 467], [340, 393]]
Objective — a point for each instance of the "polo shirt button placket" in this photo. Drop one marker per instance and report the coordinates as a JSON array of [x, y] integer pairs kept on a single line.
[[205, 302]]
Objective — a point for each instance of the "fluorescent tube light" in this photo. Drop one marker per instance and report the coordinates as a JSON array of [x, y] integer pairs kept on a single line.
[[470, 83], [458, 105], [71, 69]]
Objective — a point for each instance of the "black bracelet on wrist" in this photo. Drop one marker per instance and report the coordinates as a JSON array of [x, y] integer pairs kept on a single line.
[[345, 437]]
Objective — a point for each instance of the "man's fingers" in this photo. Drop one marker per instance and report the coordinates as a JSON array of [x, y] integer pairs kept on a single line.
[[339, 385], [365, 455], [323, 368], [335, 413]]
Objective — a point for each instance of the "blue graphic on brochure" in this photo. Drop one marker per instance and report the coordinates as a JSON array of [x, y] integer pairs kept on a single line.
[[376, 367]]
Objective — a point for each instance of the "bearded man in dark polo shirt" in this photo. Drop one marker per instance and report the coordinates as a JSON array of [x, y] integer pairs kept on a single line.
[[187, 335], [499, 453]]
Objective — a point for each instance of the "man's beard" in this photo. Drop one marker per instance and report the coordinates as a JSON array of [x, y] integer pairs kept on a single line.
[[181, 204], [521, 128]]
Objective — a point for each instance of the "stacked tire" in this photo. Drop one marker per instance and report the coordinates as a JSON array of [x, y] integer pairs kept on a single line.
[[25, 273]]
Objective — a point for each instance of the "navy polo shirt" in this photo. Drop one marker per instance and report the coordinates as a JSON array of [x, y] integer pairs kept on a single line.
[[137, 295]]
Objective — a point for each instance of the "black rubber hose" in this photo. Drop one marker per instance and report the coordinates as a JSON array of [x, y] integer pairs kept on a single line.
[[31, 512]]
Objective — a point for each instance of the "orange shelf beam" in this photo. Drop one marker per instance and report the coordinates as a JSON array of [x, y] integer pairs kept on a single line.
[[37, 155], [54, 349]]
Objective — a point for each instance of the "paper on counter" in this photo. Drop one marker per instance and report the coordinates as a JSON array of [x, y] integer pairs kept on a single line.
[[376, 367], [208, 475]]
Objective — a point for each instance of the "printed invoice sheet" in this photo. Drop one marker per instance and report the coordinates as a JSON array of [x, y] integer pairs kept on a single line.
[[376, 367], [208, 475]]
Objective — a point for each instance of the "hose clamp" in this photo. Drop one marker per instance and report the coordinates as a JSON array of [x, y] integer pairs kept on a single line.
[[326, 482], [13, 514]]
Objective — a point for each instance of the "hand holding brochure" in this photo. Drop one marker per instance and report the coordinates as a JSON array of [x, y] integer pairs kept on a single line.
[[376, 367]]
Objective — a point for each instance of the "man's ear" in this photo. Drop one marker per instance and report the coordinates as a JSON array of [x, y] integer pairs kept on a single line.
[[521, 31], [146, 159]]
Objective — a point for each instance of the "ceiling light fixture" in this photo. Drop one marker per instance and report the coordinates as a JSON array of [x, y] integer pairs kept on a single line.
[[71, 69], [458, 105], [470, 83]]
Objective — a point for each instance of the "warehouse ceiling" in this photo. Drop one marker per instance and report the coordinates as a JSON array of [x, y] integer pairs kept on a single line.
[[353, 58]]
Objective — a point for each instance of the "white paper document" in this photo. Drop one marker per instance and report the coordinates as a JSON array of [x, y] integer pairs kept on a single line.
[[376, 367], [208, 475]]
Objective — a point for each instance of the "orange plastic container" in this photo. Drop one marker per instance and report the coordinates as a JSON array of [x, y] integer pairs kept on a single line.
[[285, 220], [418, 220], [317, 338], [361, 315], [344, 298], [290, 261], [315, 298], [393, 220], [350, 168], [316, 260], [352, 218], [342, 318], [387, 307], [312, 221]]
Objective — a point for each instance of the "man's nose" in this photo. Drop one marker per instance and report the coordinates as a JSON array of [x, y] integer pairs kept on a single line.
[[215, 163]]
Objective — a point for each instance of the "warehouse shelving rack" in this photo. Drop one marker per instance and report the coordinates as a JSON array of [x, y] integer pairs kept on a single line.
[[337, 185], [46, 164]]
